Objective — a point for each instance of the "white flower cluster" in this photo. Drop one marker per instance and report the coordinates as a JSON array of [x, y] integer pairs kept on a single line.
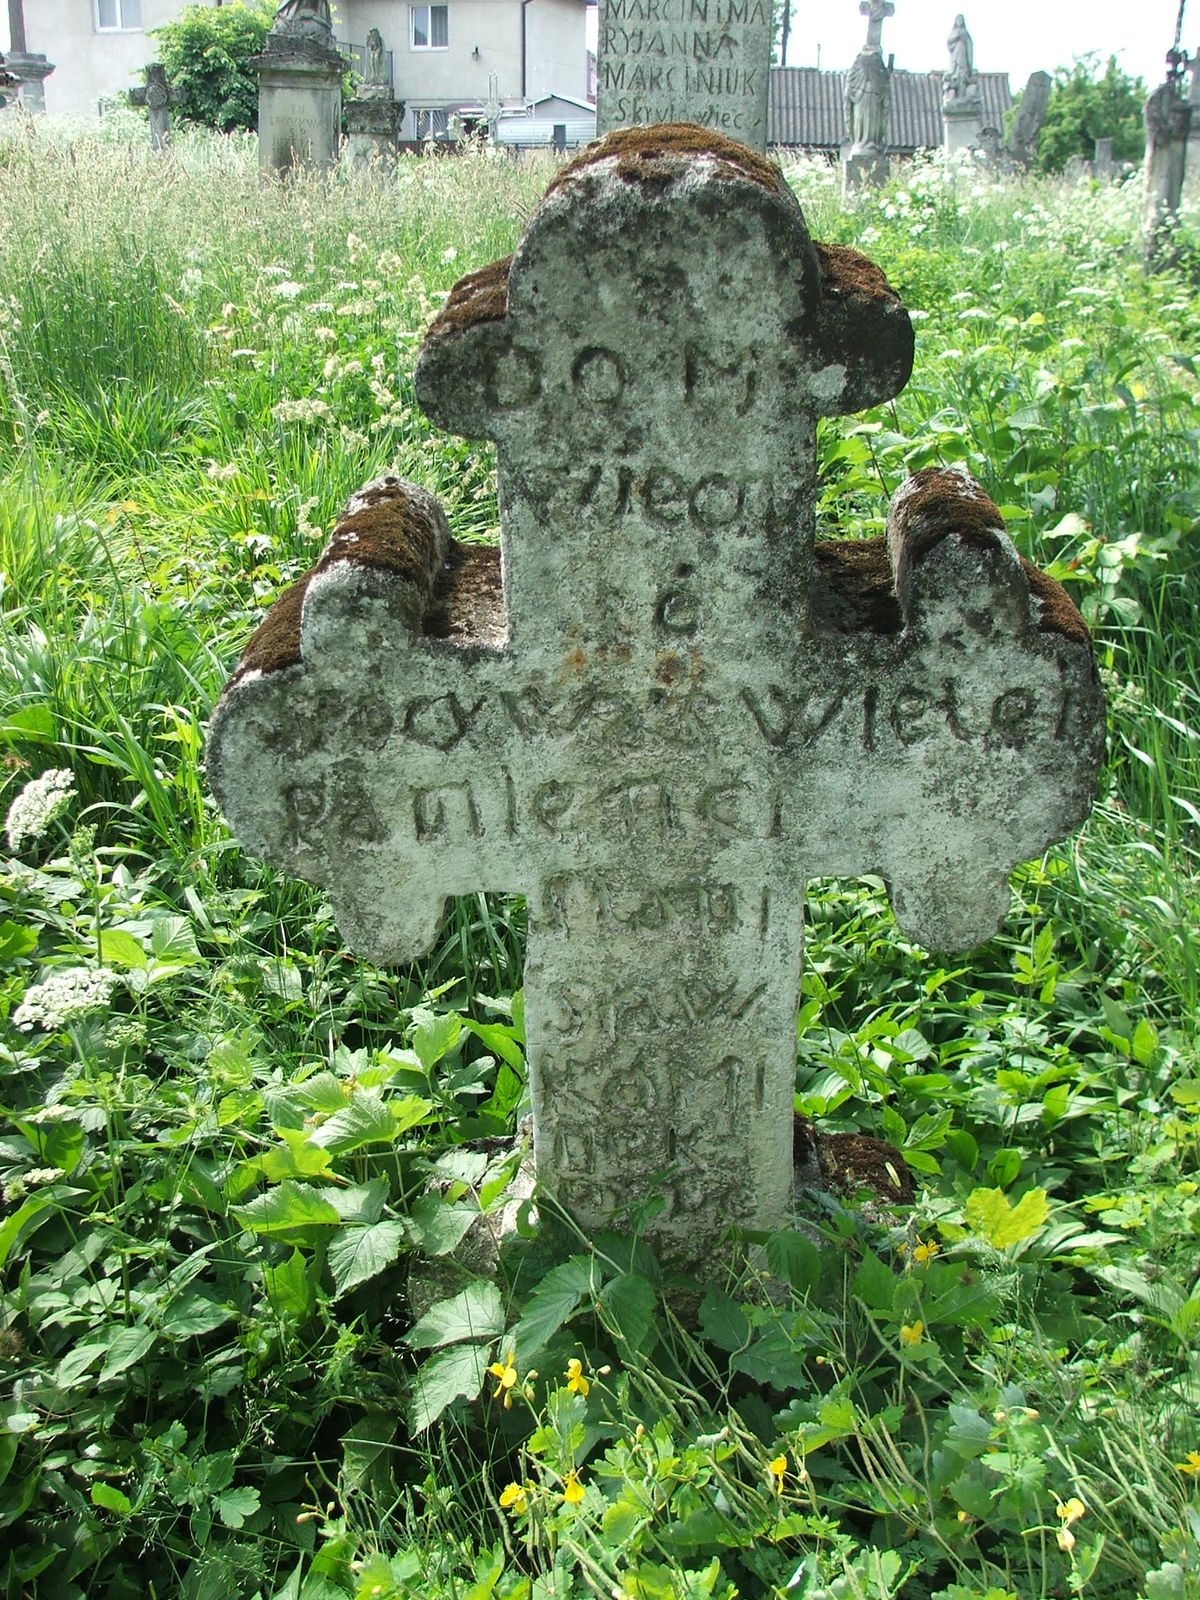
[[63, 996], [37, 805]]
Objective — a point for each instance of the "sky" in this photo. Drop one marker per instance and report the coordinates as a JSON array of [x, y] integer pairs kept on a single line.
[[1013, 36]]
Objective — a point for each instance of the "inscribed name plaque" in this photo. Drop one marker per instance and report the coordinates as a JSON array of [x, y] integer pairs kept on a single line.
[[702, 61], [661, 707]]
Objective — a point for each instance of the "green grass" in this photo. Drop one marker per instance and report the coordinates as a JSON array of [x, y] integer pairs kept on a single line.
[[217, 1179]]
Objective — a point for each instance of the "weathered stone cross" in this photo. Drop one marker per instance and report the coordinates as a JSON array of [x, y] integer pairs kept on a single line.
[[678, 709], [876, 11], [159, 96]]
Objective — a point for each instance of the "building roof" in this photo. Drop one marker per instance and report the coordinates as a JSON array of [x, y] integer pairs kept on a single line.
[[806, 108]]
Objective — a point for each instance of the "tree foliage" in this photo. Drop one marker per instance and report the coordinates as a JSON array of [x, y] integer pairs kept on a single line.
[[1084, 107], [207, 55]]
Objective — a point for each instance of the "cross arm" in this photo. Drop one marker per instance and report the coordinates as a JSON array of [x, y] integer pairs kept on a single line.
[[864, 329]]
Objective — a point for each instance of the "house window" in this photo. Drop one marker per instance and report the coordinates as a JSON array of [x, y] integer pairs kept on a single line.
[[118, 16], [432, 122], [430, 28]]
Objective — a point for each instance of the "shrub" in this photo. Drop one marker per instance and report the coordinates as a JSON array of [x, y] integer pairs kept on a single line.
[[207, 54]]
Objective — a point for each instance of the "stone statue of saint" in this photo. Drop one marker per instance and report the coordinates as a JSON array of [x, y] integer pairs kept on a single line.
[[866, 101], [375, 58], [961, 77], [310, 19]]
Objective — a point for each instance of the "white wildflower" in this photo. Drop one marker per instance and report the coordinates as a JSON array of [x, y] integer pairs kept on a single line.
[[63, 996], [37, 1175], [37, 805], [288, 289]]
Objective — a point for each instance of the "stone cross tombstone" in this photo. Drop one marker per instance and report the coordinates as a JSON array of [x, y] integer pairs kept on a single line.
[[866, 103], [158, 97], [664, 706], [299, 89], [29, 69], [702, 61], [1168, 118]]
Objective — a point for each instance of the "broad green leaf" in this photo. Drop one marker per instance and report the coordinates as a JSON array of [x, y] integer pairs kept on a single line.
[[356, 1254], [121, 949], [359, 1202], [626, 1307], [235, 1505], [130, 1346], [15, 941], [110, 1499], [296, 1157], [551, 1304], [289, 1207], [474, 1313], [363, 1443], [993, 1217], [435, 1036], [28, 1216], [794, 1258], [194, 1314], [439, 1227], [172, 940], [875, 1283], [290, 1287], [77, 1361], [501, 1041], [30, 724], [450, 1375], [723, 1322], [368, 1119]]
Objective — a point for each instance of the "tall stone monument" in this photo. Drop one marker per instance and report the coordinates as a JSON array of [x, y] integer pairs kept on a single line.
[[1030, 115], [1168, 116], [299, 89], [29, 68], [703, 61], [373, 117], [660, 707], [867, 101], [962, 100]]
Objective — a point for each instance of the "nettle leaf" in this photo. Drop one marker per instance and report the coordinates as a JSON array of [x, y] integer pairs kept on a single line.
[[127, 1349], [723, 1322], [291, 1288], [172, 940], [359, 1202], [450, 1375], [121, 949], [991, 1215], [474, 1313], [356, 1254], [553, 1303], [435, 1036], [297, 1157], [626, 1307], [15, 941], [438, 1228], [875, 1283], [368, 1119], [285, 1209], [501, 1041], [110, 1499], [194, 1314], [235, 1505]]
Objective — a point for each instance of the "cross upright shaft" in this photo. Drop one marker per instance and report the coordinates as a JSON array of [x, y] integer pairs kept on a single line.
[[679, 710]]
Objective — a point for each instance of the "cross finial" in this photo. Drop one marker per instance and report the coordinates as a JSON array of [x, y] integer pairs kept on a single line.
[[875, 11]]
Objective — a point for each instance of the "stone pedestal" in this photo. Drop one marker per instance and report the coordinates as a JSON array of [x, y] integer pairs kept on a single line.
[[299, 103], [31, 71], [962, 123], [371, 126], [861, 168], [1168, 122]]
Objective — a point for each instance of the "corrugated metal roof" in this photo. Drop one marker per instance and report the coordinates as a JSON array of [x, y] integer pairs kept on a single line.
[[806, 108]]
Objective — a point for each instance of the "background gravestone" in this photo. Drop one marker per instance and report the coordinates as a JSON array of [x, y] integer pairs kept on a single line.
[[702, 61], [299, 89], [1030, 115], [157, 96], [663, 707], [962, 98]]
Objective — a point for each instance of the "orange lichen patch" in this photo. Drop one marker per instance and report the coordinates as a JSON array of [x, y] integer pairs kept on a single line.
[[852, 588], [849, 1163], [640, 151], [468, 603], [845, 272], [384, 528], [481, 296], [937, 503], [1059, 613]]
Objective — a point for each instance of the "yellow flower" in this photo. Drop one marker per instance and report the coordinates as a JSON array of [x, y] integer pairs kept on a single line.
[[572, 1489], [576, 1381], [1192, 1465], [515, 1498], [911, 1332], [505, 1375], [1071, 1510], [778, 1471], [926, 1252]]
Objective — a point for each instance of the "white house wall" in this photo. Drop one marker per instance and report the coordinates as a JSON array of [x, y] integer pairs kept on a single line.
[[89, 65], [556, 49]]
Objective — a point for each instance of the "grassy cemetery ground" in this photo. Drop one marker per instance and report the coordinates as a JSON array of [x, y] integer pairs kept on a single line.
[[224, 1141]]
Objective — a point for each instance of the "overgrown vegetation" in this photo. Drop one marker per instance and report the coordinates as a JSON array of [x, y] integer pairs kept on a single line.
[[225, 1143], [1086, 105], [207, 53]]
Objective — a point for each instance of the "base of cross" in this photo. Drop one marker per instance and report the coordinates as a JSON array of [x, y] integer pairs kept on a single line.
[[661, 705]]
